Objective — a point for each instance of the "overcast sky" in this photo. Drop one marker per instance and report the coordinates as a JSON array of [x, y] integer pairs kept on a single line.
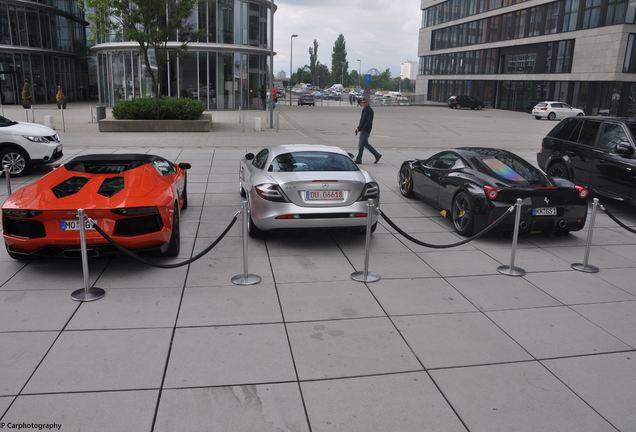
[[382, 33]]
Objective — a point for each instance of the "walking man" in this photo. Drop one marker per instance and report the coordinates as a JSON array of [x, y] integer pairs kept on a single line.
[[364, 128]]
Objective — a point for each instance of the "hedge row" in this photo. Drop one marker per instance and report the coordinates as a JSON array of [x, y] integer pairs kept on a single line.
[[164, 108]]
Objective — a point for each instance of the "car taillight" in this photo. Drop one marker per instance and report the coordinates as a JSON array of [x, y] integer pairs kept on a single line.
[[24, 214], [135, 211], [371, 191], [544, 109], [583, 191], [270, 192], [491, 193]]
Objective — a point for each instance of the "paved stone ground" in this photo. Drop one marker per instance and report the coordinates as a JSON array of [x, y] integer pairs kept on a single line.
[[442, 343]]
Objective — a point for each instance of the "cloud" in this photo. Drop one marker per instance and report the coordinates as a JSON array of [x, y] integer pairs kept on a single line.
[[382, 33]]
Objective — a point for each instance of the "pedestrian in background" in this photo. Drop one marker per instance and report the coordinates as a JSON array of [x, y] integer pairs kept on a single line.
[[274, 96], [364, 129]]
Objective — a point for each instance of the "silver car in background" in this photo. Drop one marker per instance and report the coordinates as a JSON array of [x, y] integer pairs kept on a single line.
[[305, 186]]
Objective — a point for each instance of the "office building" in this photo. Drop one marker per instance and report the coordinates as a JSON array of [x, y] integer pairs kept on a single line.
[[42, 42], [513, 53], [226, 68]]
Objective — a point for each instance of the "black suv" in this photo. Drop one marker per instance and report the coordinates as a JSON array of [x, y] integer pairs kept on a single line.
[[596, 152], [465, 102]]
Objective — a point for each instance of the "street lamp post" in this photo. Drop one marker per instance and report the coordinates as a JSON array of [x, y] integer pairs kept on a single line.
[[291, 52], [359, 71]]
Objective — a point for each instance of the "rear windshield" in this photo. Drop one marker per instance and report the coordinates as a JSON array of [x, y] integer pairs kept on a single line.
[[103, 167], [542, 104], [312, 161], [509, 168]]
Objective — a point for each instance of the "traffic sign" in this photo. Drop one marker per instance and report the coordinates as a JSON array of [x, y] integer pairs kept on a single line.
[[367, 78]]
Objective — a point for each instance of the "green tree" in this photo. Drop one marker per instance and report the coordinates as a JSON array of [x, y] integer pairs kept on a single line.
[[150, 23], [313, 60], [339, 64], [323, 77]]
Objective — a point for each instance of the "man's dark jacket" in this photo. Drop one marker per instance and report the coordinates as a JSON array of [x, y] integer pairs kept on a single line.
[[366, 120]]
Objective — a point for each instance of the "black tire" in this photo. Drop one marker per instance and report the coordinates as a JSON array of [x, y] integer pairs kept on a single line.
[[16, 159], [462, 214], [253, 230], [537, 117], [579, 115], [184, 194], [174, 245], [363, 230], [558, 169], [19, 256], [551, 116], [405, 181]]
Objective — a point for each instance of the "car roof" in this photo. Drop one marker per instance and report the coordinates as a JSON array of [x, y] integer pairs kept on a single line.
[[288, 148], [118, 157]]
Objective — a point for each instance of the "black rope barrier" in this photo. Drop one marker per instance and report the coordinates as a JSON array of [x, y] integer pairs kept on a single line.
[[489, 228], [139, 258], [615, 219]]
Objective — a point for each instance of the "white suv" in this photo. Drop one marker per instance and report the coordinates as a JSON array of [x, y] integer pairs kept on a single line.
[[555, 110], [25, 145]]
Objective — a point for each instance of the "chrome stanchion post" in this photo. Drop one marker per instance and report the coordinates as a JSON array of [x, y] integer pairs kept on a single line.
[[246, 278], [584, 266], [511, 270], [366, 276], [277, 120], [63, 122], [87, 293], [7, 178]]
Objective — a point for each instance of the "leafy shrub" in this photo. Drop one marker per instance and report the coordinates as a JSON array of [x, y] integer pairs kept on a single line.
[[164, 108]]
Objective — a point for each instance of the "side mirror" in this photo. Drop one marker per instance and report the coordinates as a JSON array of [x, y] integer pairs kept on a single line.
[[624, 149], [350, 155], [249, 156], [184, 165]]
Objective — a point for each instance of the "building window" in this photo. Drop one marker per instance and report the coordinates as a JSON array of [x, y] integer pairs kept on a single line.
[[570, 15], [616, 12], [521, 63], [591, 13], [629, 66]]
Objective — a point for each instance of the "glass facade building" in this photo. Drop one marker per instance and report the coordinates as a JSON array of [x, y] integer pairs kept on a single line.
[[225, 68], [43, 42], [513, 53]]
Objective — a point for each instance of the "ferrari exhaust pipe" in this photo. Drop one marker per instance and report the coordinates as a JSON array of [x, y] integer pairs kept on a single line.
[[523, 225], [562, 224]]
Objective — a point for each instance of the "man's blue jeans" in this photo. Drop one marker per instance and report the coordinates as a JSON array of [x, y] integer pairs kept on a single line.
[[362, 143]]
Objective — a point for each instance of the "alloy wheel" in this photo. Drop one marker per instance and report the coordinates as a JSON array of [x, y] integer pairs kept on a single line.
[[14, 161], [462, 215], [406, 181]]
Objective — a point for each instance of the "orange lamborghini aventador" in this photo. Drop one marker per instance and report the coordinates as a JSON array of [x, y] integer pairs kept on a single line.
[[135, 198]]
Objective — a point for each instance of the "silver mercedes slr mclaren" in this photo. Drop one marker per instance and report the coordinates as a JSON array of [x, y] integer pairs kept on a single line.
[[305, 186]]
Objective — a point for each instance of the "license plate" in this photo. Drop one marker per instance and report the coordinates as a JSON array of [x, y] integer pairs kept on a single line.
[[73, 225], [544, 211], [323, 195]]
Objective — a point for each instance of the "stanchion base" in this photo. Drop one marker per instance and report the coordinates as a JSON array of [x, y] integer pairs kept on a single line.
[[511, 271], [361, 276], [92, 294], [250, 279], [586, 268]]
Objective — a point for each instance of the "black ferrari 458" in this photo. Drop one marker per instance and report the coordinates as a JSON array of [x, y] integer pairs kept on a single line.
[[474, 186]]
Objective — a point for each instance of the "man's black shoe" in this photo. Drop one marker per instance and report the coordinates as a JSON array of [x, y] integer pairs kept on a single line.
[[377, 159]]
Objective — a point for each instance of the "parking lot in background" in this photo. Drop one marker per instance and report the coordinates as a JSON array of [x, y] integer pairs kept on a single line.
[[442, 343]]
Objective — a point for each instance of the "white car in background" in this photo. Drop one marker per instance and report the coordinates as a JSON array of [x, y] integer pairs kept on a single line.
[[555, 110], [25, 145]]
